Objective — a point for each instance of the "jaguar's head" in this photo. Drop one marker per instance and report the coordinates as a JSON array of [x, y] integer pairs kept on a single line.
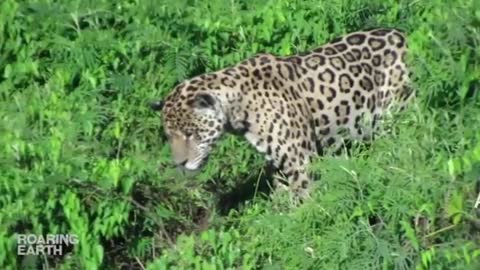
[[192, 122]]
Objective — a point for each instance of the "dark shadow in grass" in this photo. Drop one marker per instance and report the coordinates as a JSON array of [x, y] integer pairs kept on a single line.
[[246, 191]]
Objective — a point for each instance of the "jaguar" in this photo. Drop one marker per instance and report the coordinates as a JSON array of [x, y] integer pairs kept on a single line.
[[291, 107]]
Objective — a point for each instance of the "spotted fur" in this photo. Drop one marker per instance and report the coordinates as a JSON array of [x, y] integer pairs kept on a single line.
[[291, 107]]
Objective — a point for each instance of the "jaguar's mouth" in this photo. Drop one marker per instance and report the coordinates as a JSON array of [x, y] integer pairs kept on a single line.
[[196, 164], [193, 166]]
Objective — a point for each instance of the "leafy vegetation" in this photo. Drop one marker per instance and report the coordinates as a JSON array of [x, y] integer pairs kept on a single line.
[[81, 152]]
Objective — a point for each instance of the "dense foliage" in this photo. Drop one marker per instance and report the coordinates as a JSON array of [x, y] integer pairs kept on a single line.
[[82, 153]]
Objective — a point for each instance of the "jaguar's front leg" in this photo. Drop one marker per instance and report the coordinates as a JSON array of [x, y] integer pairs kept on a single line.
[[297, 193], [293, 175], [290, 149]]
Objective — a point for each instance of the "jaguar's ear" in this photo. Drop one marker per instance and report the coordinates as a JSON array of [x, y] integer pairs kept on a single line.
[[156, 105], [202, 101]]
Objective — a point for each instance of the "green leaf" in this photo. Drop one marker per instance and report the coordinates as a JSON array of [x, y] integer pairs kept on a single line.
[[410, 234], [454, 207]]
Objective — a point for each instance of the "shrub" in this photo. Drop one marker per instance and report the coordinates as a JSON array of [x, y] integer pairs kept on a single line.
[[82, 153]]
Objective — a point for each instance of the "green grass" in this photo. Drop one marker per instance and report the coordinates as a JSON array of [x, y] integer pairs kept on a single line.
[[82, 153]]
